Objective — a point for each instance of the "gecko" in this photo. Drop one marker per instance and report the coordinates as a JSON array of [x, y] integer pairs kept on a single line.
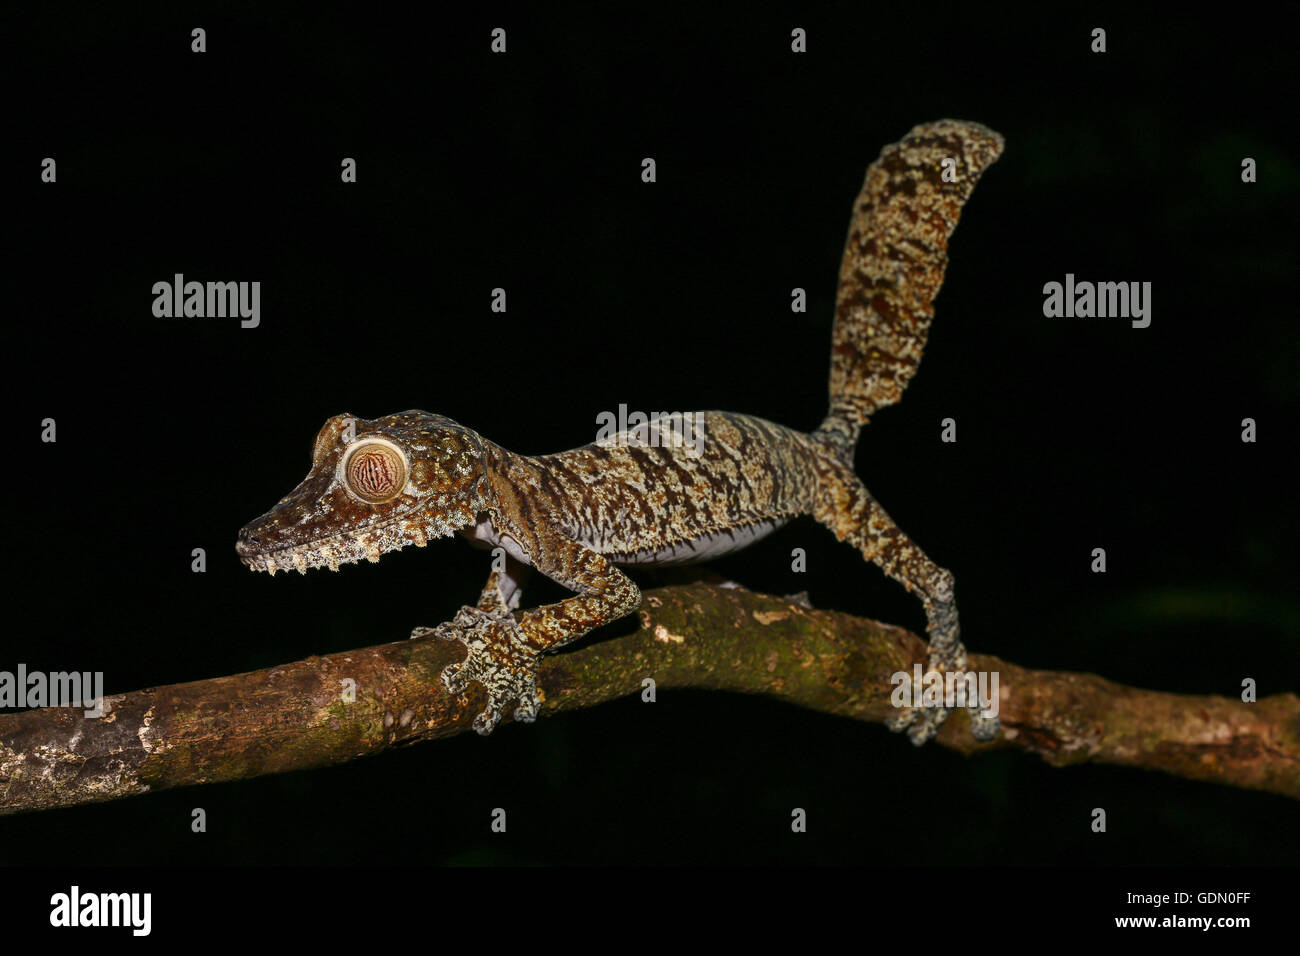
[[650, 497]]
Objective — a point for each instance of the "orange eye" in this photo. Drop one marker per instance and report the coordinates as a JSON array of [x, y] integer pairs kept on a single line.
[[375, 471]]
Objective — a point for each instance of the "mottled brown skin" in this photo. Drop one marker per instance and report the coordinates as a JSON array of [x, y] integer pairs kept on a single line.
[[580, 515]]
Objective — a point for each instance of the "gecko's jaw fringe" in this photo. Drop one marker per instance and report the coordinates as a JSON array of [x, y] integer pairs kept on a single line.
[[340, 549]]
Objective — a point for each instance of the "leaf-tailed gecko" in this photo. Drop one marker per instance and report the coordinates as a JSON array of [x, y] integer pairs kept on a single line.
[[581, 516]]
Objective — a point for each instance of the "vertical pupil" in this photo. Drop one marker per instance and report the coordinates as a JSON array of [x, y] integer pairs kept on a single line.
[[374, 474]]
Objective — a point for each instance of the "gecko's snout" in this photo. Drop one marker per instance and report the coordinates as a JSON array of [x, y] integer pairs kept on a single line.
[[246, 541], [256, 547], [249, 543]]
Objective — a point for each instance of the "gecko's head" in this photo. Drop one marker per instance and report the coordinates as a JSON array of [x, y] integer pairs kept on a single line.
[[374, 486]]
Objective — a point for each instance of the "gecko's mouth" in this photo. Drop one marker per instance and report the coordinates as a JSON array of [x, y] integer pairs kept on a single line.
[[327, 552], [343, 548]]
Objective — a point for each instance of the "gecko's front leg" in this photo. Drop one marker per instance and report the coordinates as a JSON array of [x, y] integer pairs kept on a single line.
[[504, 654], [499, 656]]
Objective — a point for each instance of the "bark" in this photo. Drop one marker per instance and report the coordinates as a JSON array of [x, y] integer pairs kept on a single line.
[[294, 716]]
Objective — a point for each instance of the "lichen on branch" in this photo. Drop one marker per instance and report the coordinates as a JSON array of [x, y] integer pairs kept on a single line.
[[294, 716]]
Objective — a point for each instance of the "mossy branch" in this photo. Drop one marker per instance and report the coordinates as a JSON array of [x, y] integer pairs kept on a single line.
[[294, 717]]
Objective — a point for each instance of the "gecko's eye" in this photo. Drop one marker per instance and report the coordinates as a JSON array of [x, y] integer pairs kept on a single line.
[[374, 470]]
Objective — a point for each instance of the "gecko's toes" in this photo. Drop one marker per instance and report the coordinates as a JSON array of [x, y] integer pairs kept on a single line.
[[486, 722], [898, 721], [923, 723], [982, 727], [447, 632], [498, 657], [924, 728], [526, 712], [920, 723], [455, 679], [902, 718]]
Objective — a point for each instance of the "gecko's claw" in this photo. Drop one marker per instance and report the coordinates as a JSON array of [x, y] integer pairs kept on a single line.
[[982, 727], [499, 658]]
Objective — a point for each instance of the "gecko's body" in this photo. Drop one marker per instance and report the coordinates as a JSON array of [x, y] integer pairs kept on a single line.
[[643, 498]]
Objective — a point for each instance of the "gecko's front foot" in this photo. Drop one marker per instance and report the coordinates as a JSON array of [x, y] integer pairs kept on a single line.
[[499, 658]]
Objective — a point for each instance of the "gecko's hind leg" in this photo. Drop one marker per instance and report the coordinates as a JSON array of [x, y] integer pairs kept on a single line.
[[846, 507]]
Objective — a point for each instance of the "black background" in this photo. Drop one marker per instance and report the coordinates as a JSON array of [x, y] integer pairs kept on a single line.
[[523, 171]]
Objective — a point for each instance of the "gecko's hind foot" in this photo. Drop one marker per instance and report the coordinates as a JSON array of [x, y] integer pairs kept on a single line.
[[982, 727], [920, 723], [499, 658]]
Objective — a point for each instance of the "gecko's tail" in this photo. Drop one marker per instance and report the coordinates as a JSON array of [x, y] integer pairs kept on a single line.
[[893, 265]]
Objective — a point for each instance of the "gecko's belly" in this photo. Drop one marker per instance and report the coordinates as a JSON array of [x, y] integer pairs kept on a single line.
[[703, 548]]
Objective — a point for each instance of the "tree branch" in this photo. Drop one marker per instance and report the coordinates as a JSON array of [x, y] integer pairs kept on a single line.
[[294, 717]]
